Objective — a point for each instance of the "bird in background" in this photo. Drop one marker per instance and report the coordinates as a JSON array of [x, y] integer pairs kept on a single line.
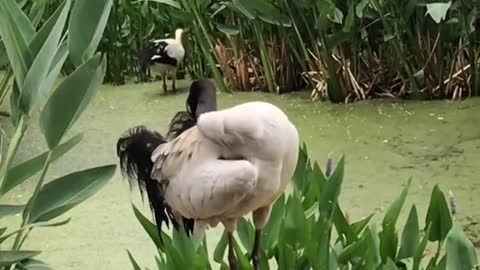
[[232, 162], [163, 56]]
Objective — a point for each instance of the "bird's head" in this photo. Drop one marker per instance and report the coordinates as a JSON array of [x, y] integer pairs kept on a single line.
[[202, 97]]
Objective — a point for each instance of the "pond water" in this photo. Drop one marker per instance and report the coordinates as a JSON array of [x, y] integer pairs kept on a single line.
[[385, 143]]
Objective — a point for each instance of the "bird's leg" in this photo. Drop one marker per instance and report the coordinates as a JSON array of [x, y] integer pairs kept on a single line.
[[260, 219], [174, 77], [255, 257], [232, 260], [164, 84]]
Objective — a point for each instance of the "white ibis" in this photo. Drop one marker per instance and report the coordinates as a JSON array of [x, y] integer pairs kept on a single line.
[[230, 163]]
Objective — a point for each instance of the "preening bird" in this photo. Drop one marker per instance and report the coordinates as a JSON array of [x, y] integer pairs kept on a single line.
[[163, 56], [201, 98], [232, 162]]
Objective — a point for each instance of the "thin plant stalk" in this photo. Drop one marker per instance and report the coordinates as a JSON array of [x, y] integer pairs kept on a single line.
[[26, 214], [13, 147]]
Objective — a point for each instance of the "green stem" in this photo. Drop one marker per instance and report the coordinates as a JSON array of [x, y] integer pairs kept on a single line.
[[26, 213], [437, 253], [13, 147]]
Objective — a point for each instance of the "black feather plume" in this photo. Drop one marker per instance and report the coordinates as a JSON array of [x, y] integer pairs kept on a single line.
[[134, 149]]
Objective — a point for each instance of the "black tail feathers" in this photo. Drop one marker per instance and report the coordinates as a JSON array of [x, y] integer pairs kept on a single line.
[[134, 150]]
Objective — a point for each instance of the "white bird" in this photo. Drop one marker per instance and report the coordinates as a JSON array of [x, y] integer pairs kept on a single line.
[[164, 56], [232, 162]]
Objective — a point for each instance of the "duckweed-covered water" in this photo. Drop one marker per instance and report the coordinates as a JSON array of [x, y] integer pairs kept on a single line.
[[385, 143]]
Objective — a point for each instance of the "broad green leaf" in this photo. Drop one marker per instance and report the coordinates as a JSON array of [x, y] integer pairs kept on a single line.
[[390, 265], [354, 249], [361, 7], [70, 99], [326, 205], [388, 235], [8, 210], [438, 11], [246, 233], [272, 230], [64, 193], [460, 251], [41, 37], [438, 215], [410, 236], [15, 44], [57, 64], [133, 261], [27, 169], [22, 21], [228, 30], [421, 248], [373, 257], [33, 264], [295, 223], [150, 228], [243, 261], [342, 226], [219, 251], [183, 245], [244, 8], [359, 226], [10, 257], [31, 97], [85, 35]]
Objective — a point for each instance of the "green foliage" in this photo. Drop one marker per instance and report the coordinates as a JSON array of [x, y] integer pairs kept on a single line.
[[37, 51], [309, 230]]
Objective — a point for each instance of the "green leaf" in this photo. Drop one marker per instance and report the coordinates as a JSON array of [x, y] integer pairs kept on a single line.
[[244, 7], [246, 233], [327, 203], [10, 257], [132, 260], [410, 236], [85, 35], [64, 193], [70, 99], [388, 235], [460, 251], [219, 251], [24, 25], [27, 169], [150, 228], [421, 248], [33, 264], [31, 98], [14, 40], [438, 11], [41, 37], [272, 230], [390, 265], [228, 30], [171, 3], [8, 210], [438, 215]]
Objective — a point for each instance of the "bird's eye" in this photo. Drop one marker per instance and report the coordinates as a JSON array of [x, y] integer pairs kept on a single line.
[[149, 145]]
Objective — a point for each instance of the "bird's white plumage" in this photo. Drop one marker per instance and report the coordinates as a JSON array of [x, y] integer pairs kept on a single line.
[[259, 149]]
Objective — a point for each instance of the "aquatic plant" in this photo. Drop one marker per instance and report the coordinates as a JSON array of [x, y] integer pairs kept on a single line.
[[305, 221], [340, 50], [37, 50]]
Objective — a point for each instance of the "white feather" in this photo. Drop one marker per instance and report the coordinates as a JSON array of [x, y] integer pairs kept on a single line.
[[264, 144]]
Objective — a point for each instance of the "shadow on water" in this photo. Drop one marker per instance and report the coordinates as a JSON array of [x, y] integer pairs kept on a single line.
[[385, 143]]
